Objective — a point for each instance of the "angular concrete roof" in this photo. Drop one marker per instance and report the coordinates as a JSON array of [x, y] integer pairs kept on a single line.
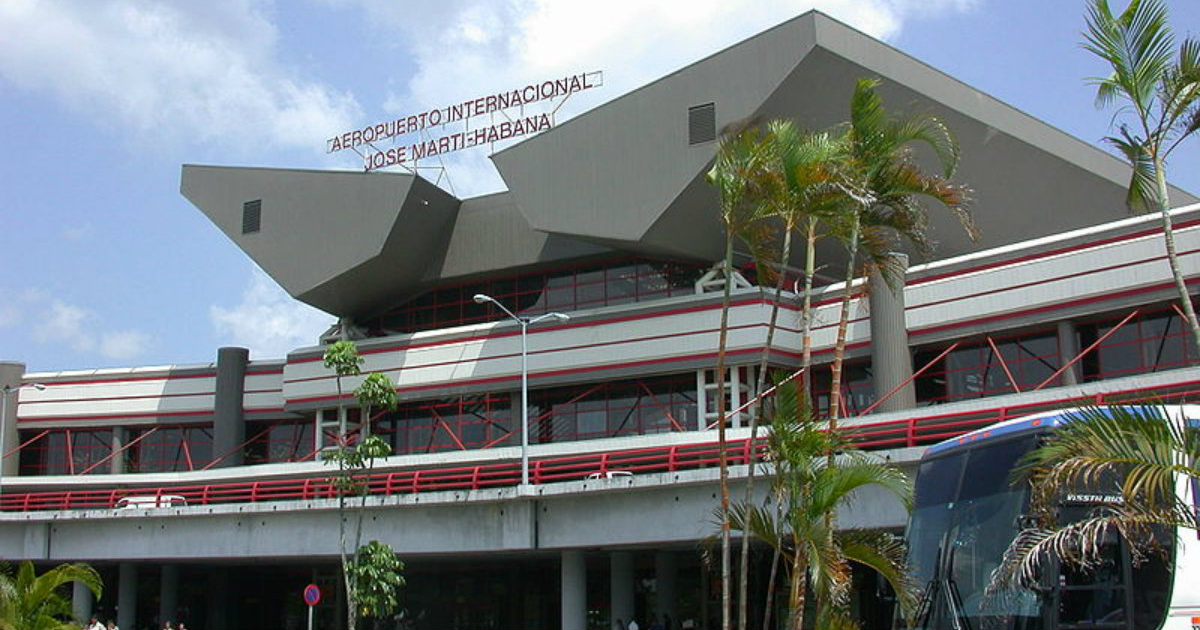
[[624, 174], [341, 241], [623, 178]]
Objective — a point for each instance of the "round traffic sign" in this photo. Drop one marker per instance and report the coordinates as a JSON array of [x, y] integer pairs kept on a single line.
[[312, 595]]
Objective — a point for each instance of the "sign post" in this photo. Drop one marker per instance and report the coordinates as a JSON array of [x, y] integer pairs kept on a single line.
[[312, 597]]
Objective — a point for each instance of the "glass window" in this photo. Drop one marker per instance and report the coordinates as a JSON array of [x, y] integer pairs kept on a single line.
[[567, 289]]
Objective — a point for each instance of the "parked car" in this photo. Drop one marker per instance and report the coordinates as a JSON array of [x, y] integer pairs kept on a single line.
[[151, 501], [610, 474]]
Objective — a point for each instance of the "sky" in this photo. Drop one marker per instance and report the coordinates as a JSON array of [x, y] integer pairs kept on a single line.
[[104, 264]]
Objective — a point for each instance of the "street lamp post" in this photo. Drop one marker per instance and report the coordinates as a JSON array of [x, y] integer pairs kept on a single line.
[[525, 322], [7, 391]]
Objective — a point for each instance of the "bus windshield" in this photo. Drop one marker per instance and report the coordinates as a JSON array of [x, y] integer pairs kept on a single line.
[[966, 512]]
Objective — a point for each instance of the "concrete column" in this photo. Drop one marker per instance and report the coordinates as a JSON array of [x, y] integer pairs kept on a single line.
[[168, 594], [891, 361], [11, 373], [127, 579], [666, 581], [229, 427], [1068, 349], [621, 585], [574, 590], [82, 603], [116, 465]]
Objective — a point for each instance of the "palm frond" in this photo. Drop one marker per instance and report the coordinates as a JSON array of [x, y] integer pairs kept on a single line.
[[885, 553]]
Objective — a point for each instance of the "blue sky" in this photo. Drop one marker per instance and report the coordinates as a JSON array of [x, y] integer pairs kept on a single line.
[[104, 264]]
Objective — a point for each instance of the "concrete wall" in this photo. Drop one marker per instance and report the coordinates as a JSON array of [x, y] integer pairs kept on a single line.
[[645, 510]]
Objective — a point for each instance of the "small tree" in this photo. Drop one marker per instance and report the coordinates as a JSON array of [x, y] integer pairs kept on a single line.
[[741, 156], [369, 572], [885, 188], [1163, 96], [808, 489], [35, 602], [379, 576]]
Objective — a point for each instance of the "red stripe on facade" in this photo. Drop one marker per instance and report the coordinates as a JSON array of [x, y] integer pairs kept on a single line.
[[1054, 252]]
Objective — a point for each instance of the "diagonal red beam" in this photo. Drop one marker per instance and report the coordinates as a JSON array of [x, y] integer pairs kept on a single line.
[[123, 448], [753, 401], [217, 460], [1079, 356], [26, 443], [910, 379], [1003, 364], [446, 427]]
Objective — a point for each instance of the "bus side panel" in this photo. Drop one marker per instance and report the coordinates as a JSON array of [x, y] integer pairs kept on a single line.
[[1185, 594]]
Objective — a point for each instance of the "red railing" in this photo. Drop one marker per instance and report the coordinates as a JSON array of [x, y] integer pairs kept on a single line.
[[919, 430]]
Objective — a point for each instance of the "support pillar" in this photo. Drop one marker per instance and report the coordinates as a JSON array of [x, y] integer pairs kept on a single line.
[[168, 594], [229, 427], [621, 585], [574, 590], [891, 360], [127, 582], [82, 603], [116, 465], [11, 374], [666, 580], [1068, 349]]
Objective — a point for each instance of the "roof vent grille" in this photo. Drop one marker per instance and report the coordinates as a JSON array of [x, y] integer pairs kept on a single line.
[[251, 216], [702, 123]]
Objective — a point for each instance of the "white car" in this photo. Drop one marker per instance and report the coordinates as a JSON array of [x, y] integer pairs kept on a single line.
[[610, 474], [151, 501]]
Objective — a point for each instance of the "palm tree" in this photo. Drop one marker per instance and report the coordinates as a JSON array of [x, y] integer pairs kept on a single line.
[[1144, 447], [740, 157], [35, 602], [884, 189], [796, 188], [807, 488], [1163, 95]]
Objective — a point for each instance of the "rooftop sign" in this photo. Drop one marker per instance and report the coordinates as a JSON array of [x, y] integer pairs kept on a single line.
[[461, 113]]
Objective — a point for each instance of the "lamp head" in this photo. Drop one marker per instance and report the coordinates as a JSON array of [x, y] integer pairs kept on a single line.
[[481, 298], [38, 386], [562, 317]]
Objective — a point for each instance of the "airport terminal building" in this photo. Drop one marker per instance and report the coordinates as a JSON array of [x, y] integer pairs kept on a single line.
[[197, 490]]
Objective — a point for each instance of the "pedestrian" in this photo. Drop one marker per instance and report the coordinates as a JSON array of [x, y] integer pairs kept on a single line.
[[94, 624], [633, 624]]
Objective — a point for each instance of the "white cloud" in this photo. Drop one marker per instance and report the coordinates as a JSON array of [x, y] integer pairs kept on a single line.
[[268, 321], [77, 233], [80, 329], [10, 316], [125, 344], [165, 71], [66, 323], [467, 48]]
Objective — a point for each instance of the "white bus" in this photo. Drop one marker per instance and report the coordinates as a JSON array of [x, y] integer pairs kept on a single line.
[[966, 512]]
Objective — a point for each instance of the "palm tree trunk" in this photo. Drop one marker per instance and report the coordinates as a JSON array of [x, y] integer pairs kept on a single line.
[[347, 575], [1185, 298], [722, 455], [770, 603], [761, 385], [839, 348], [810, 268], [796, 591]]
